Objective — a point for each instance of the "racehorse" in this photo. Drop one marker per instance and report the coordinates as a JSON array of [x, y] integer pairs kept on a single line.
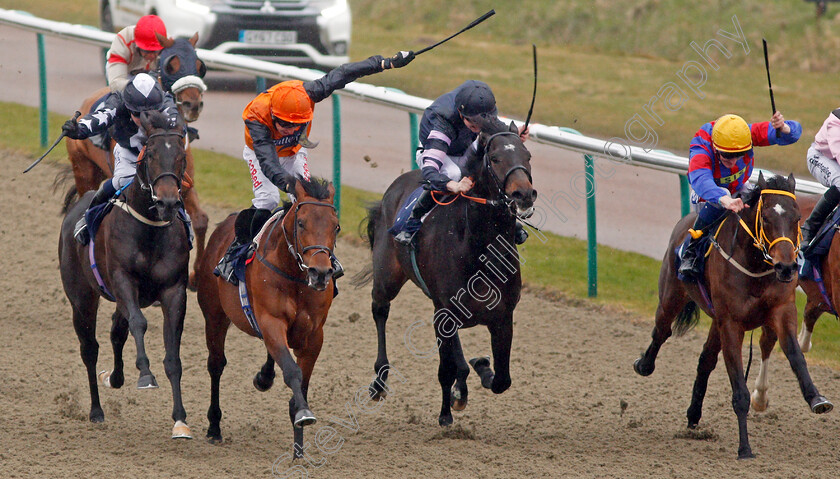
[[749, 282], [289, 283], [464, 260], [141, 256], [181, 70]]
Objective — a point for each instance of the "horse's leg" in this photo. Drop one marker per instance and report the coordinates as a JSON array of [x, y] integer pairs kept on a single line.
[[84, 322], [119, 334], [126, 293], [785, 324], [215, 331], [459, 391], [387, 282], [705, 365], [732, 338], [810, 316], [274, 336], [447, 369], [762, 381], [199, 223], [501, 338], [306, 361], [264, 379], [670, 305], [174, 303]]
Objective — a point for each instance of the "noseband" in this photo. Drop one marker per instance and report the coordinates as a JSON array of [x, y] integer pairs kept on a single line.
[[149, 185], [501, 183]]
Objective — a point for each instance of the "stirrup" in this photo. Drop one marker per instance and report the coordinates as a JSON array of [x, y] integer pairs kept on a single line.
[[338, 269], [520, 235], [404, 237], [80, 232]]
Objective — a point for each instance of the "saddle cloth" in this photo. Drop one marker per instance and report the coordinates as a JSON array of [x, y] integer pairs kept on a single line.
[[819, 247], [405, 211]]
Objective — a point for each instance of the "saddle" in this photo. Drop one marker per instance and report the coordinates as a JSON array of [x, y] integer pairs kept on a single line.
[[820, 245], [405, 212], [704, 244]]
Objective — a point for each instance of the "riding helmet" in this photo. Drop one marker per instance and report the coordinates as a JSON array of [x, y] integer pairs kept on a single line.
[[144, 33], [142, 93], [290, 102], [475, 98], [731, 134]]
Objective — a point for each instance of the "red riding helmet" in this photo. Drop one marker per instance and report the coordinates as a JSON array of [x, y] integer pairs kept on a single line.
[[144, 33]]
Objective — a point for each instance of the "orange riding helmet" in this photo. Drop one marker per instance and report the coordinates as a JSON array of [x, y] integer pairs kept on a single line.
[[291, 103]]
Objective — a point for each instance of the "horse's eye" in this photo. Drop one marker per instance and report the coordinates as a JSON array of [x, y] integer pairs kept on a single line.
[[300, 224], [337, 228]]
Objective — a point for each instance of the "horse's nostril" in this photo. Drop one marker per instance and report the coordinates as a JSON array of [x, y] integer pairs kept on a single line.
[[533, 195]]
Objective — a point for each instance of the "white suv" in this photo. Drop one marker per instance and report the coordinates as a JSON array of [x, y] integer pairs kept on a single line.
[[295, 32]]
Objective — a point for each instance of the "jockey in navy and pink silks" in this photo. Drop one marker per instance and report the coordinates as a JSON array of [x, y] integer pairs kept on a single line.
[[720, 164]]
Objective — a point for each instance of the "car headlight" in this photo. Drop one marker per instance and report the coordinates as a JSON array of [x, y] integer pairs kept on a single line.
[[330, 8], [198, 6]]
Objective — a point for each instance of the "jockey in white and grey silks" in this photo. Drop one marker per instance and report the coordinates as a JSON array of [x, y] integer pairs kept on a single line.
[[121, 110]]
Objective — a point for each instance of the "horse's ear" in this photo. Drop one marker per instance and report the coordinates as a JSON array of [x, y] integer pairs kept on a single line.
[[193, 39], [201, 68], [146, 122], [331, 189], [792, 182], [762, 183], [164, 42], [512, 127], [300, 192]]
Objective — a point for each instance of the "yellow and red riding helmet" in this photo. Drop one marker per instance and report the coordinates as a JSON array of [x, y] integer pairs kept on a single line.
[[731, 134]]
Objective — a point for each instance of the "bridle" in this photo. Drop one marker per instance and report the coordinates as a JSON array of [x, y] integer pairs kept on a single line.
[[501, 183], [294, 246], [760, 239], [149, 185]]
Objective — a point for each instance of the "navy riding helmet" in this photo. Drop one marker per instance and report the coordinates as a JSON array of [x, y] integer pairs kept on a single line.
[[143, 93]]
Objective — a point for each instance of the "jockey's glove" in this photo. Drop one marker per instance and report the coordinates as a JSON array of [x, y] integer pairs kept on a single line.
[[70, 129], [401, 59]]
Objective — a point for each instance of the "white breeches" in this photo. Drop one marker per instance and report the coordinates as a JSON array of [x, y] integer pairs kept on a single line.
[[266, 195]]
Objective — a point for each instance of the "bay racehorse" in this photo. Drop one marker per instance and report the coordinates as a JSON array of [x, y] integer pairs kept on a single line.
[[141, 255], [289, 283], [749, 282], [464, 260], [92, 160]]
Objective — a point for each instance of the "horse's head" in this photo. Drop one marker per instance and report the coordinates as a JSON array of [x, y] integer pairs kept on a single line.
[[162, 163], [311, 227], [777, 223], [181, 73], [502, 168]]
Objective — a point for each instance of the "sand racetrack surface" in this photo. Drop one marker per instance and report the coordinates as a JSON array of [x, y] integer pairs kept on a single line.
[[562, 417]]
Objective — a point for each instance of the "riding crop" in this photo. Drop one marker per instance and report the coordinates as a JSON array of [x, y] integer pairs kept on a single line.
[[474, 23], [767, 67], [57, 140]]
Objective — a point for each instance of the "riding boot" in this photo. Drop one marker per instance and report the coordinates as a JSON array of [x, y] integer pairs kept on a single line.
[[821, 211], [260, 217], [520, 235], [103, 194], [423, 205], [692, 257], [242, 232]]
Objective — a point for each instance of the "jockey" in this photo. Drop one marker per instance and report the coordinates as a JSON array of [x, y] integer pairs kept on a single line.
[[134, 49], [823, 156], [277, 125], [121, 110], [448, 131], [720, 164]]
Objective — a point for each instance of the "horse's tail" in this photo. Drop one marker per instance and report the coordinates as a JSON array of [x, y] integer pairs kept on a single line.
[[71, 196], [686, 319], [368, 224]]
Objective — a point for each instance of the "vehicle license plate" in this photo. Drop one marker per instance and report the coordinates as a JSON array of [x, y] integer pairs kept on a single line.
[[268, 37]]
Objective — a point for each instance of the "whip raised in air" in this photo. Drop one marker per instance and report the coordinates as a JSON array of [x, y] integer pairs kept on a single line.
[[474, 23], [767, 66]]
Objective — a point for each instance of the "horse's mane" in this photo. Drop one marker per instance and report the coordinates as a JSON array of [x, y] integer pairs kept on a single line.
[[160, 120], [776, 182], [489, 127]]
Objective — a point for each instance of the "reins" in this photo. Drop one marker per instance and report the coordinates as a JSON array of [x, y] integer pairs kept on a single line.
[[149, 185]]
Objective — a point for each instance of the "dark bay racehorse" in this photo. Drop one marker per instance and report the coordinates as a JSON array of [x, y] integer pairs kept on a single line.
[[750, 278], [290, 286], [466, 261], [142, 255], [92, 163]]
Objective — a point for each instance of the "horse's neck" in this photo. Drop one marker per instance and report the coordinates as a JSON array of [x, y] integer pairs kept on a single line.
[[140, 199], [743, 249]]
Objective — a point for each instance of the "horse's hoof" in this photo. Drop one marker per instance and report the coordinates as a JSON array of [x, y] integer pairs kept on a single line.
[[215, 439], [105, 378], [499, 386], [445, 420], [641, 371], [181, 431], [304, 417], [459, 402], [147, 382], [97, 416], [747, 454], [821, 405], [261, 384], [758, 405], [376, 391], [482, 368]]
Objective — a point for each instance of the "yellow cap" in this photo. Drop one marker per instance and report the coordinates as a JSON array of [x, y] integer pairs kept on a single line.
[[731, 134]]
